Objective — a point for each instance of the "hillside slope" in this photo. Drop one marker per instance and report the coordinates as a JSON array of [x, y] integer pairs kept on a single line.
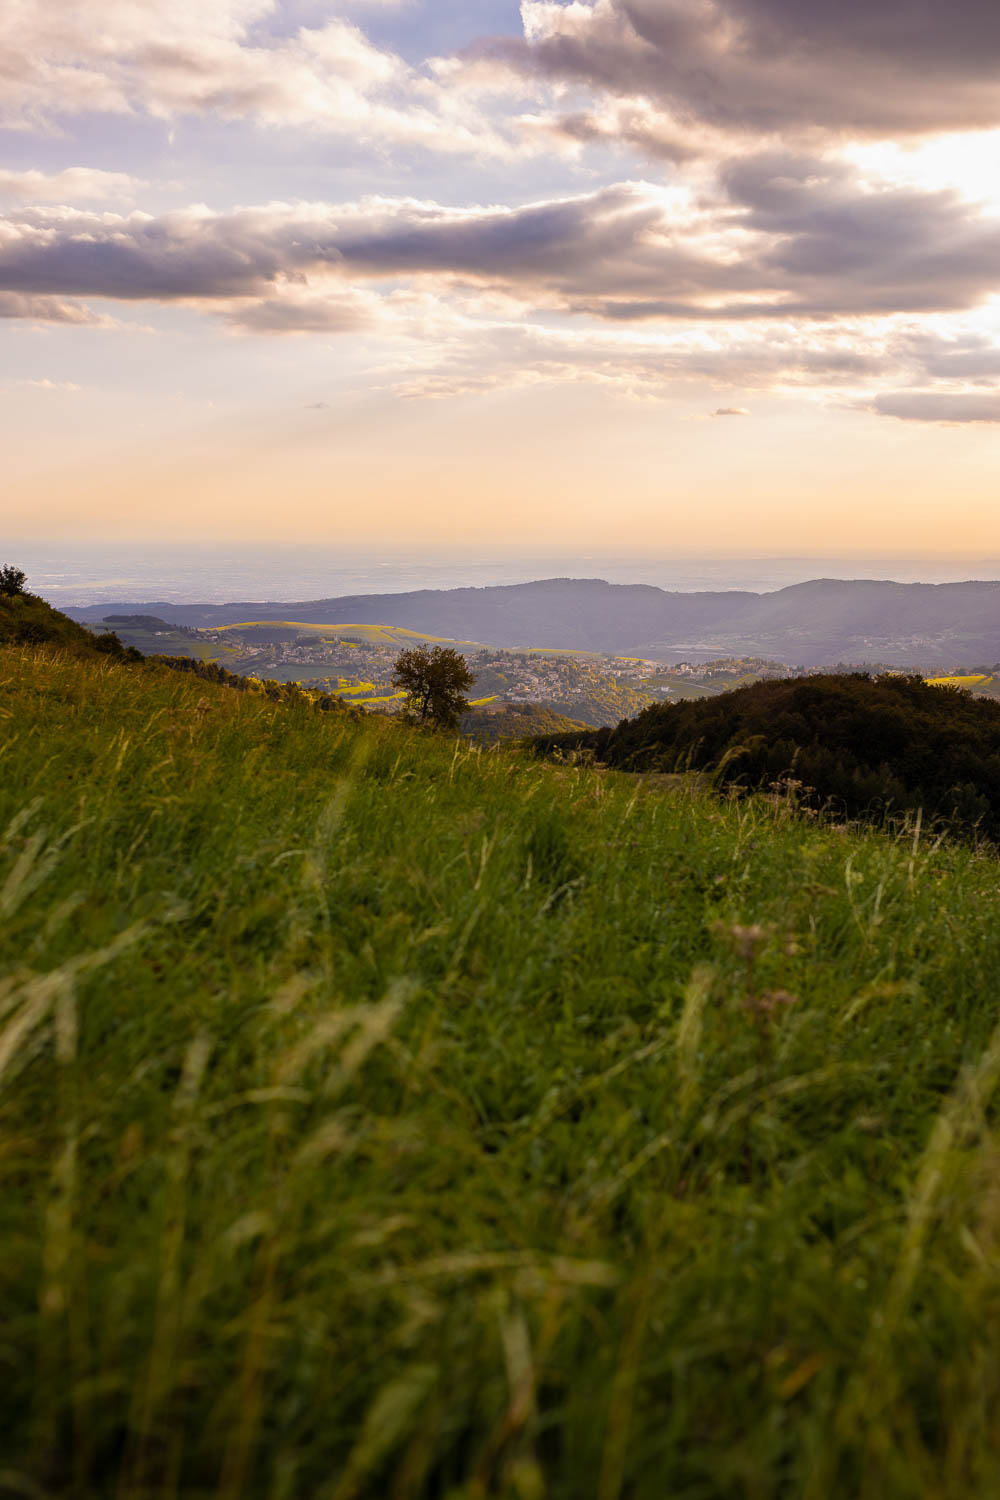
[[819, 623], [27, 620], [383, 1117]]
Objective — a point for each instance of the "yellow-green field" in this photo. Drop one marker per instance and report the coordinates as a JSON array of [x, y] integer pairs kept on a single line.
[[397, 635], [983, 684], [374, 635]]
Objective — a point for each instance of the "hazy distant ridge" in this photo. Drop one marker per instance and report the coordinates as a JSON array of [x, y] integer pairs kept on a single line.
[[816, 623]]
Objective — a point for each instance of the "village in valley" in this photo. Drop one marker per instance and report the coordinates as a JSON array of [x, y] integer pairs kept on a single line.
[[356, 662]]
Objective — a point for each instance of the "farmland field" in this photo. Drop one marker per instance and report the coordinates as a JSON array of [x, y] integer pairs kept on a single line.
[[980, 683]]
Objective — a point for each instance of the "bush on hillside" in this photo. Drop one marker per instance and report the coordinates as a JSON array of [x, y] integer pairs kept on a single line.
[[855, 745]]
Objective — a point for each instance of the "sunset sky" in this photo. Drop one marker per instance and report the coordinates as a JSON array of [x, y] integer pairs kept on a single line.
[[677, 274]]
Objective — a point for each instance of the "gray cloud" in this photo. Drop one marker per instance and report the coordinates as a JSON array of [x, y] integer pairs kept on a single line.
[[561, 245], [963, 36], [938, 406], [730, 411], [185, 255], [767, 66], [969, 357], [883, 251], [295, 315]]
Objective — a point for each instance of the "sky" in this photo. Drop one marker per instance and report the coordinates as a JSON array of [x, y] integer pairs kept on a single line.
[[676, 276]]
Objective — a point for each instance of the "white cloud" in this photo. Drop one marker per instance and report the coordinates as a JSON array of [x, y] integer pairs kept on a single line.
[[217, 58], [72, 185]]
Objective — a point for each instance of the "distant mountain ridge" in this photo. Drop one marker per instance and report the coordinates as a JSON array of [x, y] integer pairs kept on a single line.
[[818, 623]]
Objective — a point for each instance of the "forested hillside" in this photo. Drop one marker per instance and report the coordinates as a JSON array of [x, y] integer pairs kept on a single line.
[[851, 744], [27, 620]]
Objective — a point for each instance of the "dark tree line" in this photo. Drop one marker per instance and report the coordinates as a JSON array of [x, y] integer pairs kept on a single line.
[[860, 747]]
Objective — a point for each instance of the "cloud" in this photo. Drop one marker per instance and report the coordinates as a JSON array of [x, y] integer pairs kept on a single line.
[[792, 273], [224, 58], [50, 310], [64, 386], [879, 249], [764, 67], [285, 314], [965, 356], [938, 406], [468, 359], [668, 79], [72, 185], [649, 133], [784, 237], [730, 411]]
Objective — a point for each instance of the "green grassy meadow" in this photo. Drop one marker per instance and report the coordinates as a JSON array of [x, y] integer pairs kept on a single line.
[[386, 1118]]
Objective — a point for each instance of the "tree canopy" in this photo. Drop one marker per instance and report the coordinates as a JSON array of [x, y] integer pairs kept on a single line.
[[434, 680], [12, 580]]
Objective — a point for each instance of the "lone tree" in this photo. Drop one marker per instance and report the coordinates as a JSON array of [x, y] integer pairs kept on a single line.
[[12, 580], [434, 681]]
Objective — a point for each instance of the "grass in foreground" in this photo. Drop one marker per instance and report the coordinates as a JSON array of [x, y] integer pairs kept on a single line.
[[380, 1117]]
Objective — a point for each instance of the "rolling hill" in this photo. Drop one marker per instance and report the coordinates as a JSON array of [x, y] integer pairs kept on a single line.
[[820, 623]]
